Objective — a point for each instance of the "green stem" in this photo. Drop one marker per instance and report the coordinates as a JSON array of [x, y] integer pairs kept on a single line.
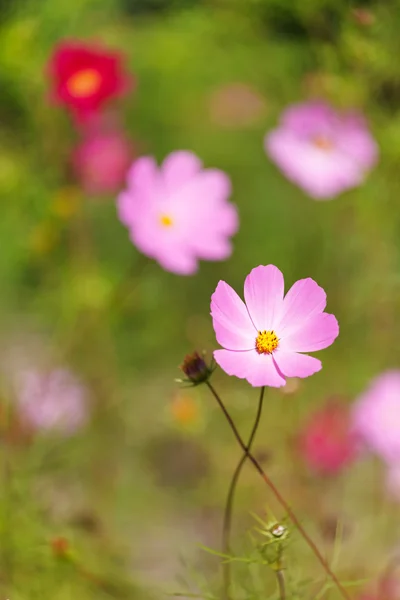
[[227, 524], [280, 498]]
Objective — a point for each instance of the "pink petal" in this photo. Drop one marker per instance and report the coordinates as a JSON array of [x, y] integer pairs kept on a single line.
[[258, 369], [316, 333], [125, 208], [177, 260], [232, 324], [263, 293], [179, 167], [292, 364], [304, 299], [144, 174]]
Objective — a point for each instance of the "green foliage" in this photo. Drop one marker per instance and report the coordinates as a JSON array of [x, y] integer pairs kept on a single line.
[[74, 280]]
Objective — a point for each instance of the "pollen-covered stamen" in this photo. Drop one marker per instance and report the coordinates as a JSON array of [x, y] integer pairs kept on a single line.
[[266, 342], [166, 221], [323, 143], [84, 83]]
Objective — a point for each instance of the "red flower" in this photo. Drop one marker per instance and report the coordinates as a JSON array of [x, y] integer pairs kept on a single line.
[[85, 77], [326, 443]]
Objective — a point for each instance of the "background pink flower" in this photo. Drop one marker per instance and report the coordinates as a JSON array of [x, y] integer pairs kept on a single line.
[[326, 442], [178, 213], [376, 416], [322, 151], [54, 401], [102, 159], [264, 339]]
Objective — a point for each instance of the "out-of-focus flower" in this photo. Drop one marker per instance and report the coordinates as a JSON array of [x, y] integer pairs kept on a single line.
[[101, 161], [236, 105], [60, 547], [185, 410], [363, 16], [178, 213], [376, 416], [85, 77], [264, 339], [326, 443], [53, 401], [322, 151]]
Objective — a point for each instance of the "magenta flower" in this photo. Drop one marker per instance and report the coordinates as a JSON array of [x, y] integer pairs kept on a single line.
[[376, 416], [265, 338], [178, 213], [326, 442], [101, 160], [322, 151], [53, 401]]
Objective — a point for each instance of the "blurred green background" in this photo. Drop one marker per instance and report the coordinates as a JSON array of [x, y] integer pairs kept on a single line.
[[138, 490]]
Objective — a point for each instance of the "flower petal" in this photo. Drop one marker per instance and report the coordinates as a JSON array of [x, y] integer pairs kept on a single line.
[[263, 292], [258, 369], [179, 167], [304, 299], [178, 260], [292, 364], [231, 321], [316, 333], [143, 174]]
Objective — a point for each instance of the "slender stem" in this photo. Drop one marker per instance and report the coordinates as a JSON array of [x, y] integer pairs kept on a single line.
[[279, 497], [281, 584], [280, 575], [227, 524]]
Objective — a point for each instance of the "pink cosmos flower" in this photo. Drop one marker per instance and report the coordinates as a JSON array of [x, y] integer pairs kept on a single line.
[[265, 338], [322, 151], [101, 160], [376, 416], [178, 213], [326, 442], [53, 401]]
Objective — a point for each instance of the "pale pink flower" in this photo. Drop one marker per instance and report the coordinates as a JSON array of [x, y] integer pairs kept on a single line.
[[265, 338], [53, 401], [322, 151], [326, 442], [101, 160], [376, 416], [178, 213]]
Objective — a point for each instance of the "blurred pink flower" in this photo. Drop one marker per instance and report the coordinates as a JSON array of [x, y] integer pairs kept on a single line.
[[326, 442], [102, 159], [178, 213], [376, 416], [53, 401], [322, 151], [264, 338], [236, 105]]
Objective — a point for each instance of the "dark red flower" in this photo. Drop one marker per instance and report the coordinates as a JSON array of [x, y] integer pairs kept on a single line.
[[85, 77], [326, 442]]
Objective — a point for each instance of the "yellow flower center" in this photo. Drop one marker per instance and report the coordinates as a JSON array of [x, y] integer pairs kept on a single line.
[[84, 83], [266, 342], [166, 221], [323, 143]]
